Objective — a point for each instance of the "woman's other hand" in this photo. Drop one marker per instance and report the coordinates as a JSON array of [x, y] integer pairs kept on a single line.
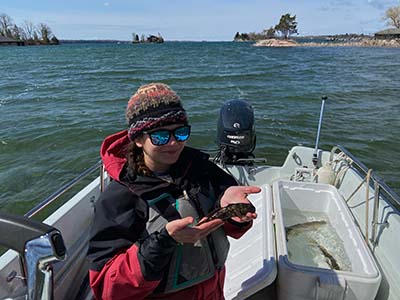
[[182, 231]]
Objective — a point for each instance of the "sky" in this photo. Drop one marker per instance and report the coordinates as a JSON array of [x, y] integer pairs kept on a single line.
[[195, 20]]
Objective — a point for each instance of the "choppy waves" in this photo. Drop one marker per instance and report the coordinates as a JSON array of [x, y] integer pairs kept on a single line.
[[58, 103]]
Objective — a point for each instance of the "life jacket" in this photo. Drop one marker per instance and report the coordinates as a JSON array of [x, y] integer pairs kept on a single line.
[[190, 263]]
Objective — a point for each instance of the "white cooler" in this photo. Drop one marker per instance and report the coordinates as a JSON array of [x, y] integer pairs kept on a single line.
[[301, 282]]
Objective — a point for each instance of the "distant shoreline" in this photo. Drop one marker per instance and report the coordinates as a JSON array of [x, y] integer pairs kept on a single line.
[[94, 42], [363, 42], [299, 41]]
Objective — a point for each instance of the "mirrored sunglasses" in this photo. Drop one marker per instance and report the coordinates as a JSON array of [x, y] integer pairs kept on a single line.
[[162, 136]]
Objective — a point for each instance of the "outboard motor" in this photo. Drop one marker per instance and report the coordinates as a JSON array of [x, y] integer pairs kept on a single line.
[[236, 136]]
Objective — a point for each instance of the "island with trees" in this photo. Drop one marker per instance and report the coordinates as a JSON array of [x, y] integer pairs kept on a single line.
[[26, 33], [277, 35], [158, 39], [280, 35]]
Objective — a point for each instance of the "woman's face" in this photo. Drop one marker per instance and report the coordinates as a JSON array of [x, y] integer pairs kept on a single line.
[[160, 158]]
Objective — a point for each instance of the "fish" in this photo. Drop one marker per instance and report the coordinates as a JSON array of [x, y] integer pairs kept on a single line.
[[301, 227], [229, 211], [312, 226], [330, 260]]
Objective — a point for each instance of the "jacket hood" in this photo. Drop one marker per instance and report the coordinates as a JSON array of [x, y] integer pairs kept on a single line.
[[113, 153]]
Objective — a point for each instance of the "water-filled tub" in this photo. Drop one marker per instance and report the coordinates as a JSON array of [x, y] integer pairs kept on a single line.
[[359, 280]]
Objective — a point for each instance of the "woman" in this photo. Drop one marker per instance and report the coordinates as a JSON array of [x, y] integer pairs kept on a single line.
[[144, 242]]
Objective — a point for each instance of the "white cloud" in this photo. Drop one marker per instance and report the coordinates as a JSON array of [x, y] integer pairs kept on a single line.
[[106, 3]]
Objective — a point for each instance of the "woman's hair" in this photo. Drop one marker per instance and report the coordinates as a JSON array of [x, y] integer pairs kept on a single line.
[[135, 157]]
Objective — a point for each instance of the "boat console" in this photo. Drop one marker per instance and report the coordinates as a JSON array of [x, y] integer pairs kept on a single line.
[[39, 246]]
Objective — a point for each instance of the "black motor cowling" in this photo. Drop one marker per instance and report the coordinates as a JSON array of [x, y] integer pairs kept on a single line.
[[236, 134]]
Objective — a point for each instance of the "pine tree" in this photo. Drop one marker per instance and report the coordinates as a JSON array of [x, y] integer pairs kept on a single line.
[[287, 25]]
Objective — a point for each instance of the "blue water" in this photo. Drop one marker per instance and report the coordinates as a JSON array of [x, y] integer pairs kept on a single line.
[[57, 103]]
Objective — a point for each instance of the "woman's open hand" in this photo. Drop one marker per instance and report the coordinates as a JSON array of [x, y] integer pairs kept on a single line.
[[238, 194]]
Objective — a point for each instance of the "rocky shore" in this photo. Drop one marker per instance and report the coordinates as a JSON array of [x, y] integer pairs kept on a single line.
[[276, 43], [360, 43]]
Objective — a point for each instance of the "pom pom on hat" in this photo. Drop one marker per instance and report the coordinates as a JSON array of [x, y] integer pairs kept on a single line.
[[153, 105]]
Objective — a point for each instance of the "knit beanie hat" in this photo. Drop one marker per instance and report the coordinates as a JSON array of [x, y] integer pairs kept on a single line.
[[153, 105]]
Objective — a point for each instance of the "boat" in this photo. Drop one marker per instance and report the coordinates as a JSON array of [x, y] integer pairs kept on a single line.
[[313, 188]]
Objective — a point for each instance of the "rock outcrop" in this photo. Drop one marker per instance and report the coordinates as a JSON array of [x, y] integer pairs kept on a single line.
[[275, 43], [350, 43], [361, 43]]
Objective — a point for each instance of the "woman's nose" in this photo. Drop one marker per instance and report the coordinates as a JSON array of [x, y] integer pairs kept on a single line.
[[172, 140]]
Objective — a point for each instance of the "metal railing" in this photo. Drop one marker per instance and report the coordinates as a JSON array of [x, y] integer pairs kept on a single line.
[[50, 199], [381, 190]]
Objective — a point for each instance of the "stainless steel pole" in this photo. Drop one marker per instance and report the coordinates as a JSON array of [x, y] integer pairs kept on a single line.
[[321, 114]]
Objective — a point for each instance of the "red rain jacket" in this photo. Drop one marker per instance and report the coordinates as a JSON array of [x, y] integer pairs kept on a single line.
[[122, 266]]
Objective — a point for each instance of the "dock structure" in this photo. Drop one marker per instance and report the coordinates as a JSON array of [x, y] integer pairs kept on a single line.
[[6, 41], [388, 34]]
